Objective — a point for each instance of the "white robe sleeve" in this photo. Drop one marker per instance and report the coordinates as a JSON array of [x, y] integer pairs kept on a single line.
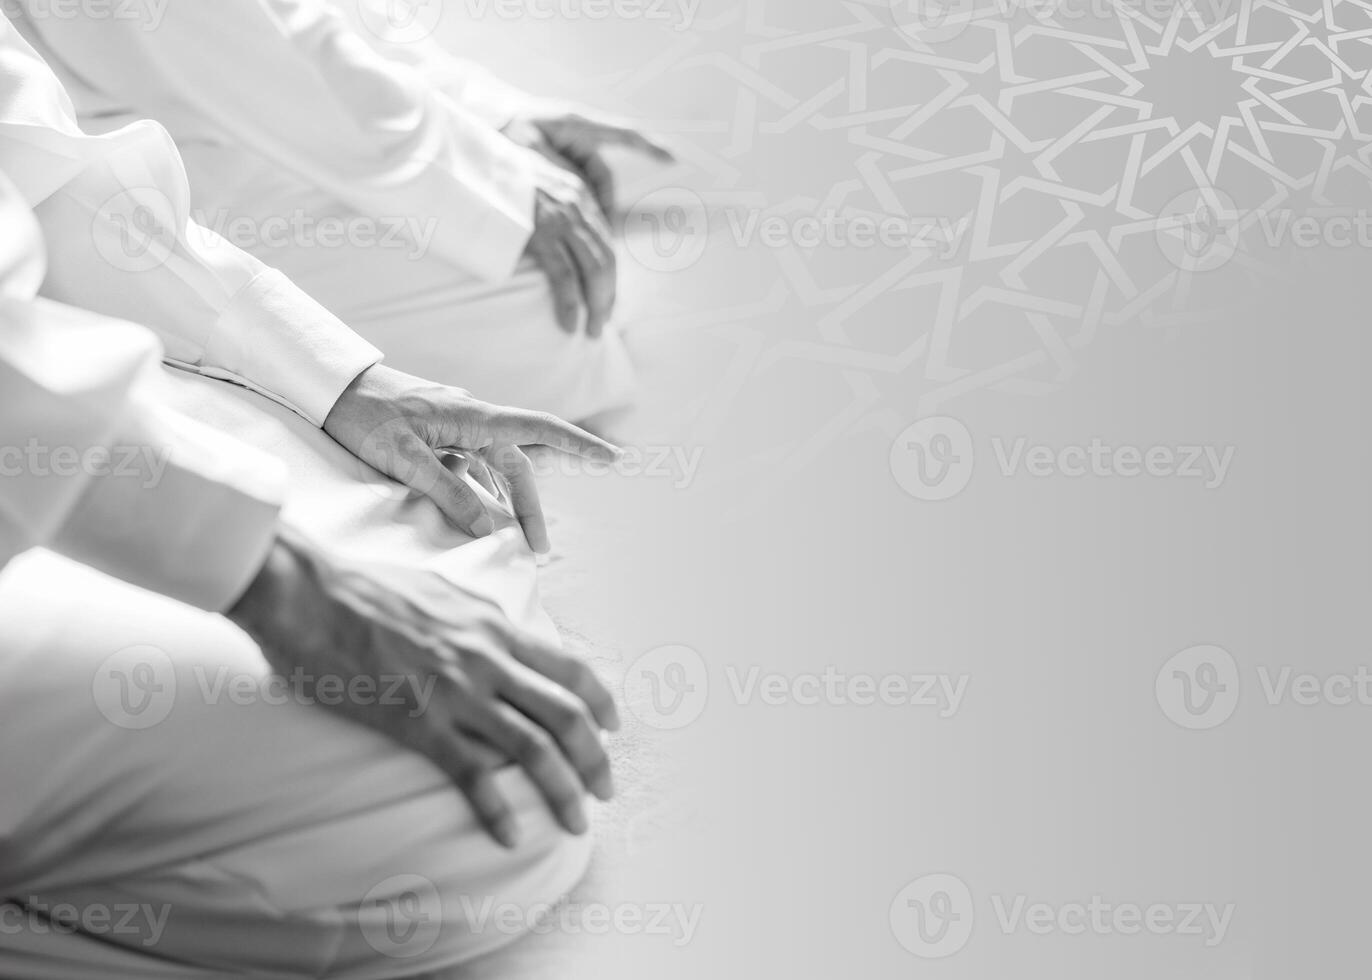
[[291, 80], [471, 85], [91, 467], [115, 211]]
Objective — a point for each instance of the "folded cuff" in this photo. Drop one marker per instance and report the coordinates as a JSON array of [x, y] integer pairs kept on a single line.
[[276, 340]]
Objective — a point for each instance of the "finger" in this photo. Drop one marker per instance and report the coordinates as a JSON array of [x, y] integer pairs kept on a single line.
[[595, 215], [565, 281], [634, 139], [461, 464], [454, 497], [520, 428], [568, 719], [472, 770], [595, 262], [512, 464], [480, 471], [536, 752], [601, 180], [571, 674]]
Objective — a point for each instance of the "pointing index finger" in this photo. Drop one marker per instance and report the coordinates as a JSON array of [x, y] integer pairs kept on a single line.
[[541, 429]]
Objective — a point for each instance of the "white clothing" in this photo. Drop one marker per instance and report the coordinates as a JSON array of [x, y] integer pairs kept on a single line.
[[91, 465], [280, 839], [218, 310], [148, 826], [288, 120]]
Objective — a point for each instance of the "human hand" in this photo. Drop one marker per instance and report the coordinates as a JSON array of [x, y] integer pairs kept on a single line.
[[400, 425], [575, 197], [578, 143], [571, 244], [450, 677]]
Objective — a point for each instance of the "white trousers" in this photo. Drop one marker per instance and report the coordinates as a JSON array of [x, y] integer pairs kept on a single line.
[[500, 341], [159, 817]]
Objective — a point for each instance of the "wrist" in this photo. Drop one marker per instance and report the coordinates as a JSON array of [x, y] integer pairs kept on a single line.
[[266, 593]]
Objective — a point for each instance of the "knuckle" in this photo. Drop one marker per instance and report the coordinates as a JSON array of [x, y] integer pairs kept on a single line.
[[569, 722], [468, 772], [600, 769], [560, 271], [532, 747], [466, 505], [496, 814], [579, 675]]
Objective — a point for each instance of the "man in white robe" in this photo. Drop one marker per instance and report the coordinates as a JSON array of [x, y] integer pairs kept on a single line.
[[240, 832], [116, 210], [466, 256], [151, 827]]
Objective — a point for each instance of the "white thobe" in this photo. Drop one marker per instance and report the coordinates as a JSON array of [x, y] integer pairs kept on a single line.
[[285, 113], [471, 85], [155, 821], [93, 466], [116, 210]]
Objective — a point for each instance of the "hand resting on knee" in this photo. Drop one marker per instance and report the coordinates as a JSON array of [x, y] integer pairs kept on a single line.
[[467, 689]]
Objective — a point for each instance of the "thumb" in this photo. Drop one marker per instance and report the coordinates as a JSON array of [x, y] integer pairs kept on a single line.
[[455, 497]]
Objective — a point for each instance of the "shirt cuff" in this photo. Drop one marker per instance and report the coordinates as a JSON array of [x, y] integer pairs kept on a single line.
[[182, 510], [498, 233], [276, 340]]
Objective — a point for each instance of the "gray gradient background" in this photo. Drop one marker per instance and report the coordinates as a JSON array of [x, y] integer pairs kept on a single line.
[[1061, 777]]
